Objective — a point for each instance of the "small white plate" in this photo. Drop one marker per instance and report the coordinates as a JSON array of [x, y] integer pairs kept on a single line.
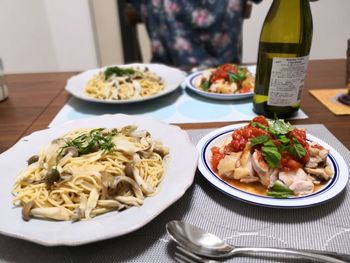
[[329, 191], [171, 76], [190, 80], [180, 170]]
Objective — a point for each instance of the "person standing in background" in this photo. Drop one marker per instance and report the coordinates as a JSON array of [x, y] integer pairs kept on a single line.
[[191, 34]]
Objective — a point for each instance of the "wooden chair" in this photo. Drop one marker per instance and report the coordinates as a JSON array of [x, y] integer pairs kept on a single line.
[[129, 19]]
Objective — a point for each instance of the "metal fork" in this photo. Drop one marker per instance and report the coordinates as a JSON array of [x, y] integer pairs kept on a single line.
[[181, 255]]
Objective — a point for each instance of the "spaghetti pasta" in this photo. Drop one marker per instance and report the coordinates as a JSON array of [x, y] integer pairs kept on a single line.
[[116, 83], [89, 172]]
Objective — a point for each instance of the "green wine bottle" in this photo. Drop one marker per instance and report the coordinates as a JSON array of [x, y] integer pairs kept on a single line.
[[284, 47]]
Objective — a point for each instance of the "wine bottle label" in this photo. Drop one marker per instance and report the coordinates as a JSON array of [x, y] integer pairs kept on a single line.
[[287, 81]]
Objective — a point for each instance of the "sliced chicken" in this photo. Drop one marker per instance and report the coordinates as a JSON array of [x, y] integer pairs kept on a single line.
[[322, 173], [318, 156], [244, 166], [249, 179], [273, 177], [301, 188], [298, 181], [227, 165], [261, 168]]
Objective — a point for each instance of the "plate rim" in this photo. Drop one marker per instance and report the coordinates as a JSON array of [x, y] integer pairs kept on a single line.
[[78, 93], [337, 183], [217, 96], [146, 216]]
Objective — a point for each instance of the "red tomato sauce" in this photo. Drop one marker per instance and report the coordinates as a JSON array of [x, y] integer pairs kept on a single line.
[[241, 137], [222, 72]]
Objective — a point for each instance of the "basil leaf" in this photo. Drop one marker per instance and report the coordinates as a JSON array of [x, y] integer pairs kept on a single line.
[[259, 140], [271, 155], [280, 190], [259, 125], [297, 149], [279, 126], [238, 77], [283, 139], [118, 72], [278, 195], [205, 85], [269, 143]]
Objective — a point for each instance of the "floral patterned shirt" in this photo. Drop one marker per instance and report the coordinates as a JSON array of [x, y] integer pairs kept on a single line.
[[195, 33]]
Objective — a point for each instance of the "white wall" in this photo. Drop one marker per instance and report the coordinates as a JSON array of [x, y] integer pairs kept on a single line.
[[108, 39], [46, 35], [331, 21], [58, 35]]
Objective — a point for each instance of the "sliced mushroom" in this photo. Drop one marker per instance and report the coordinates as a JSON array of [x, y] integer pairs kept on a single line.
[[145, 186], [129, 169], [26, 210], [79, 213], [160, 149], [91, 202], [111, 203], [56, 213], [124, 145], [71, 151], [124, 179], [53, 176], [126, 130], [129, 200], [33, 159]]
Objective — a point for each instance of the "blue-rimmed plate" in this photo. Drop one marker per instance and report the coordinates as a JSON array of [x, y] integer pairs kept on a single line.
[[192, 79], [327, 192]]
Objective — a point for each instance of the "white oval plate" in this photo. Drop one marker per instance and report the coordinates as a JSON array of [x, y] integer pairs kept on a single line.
[[190, 84], [329, 191], [180, 171], [171, 76]]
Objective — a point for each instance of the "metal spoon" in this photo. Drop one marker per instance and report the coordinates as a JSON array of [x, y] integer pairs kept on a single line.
[[206, 244]]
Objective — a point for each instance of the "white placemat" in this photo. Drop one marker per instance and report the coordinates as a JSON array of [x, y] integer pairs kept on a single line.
[[181, 106]]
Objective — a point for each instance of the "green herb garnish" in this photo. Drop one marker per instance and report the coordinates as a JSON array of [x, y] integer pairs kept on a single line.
[[283, 139], [205, 85], [259, 125], [91, 142], [236, 77], [118, 72], [280, 190], [296, 148], [259, 140], [271, 154], [280, 142], [279, 126]]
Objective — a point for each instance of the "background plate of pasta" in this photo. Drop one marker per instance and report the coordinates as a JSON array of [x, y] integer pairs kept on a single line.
[[128, 83], [63, 184]]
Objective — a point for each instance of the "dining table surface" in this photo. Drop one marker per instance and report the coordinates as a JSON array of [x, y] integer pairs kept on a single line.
[[36, 98], [34, 101]]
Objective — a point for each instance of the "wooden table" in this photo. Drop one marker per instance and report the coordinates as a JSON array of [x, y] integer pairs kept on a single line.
[[36, 98]]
